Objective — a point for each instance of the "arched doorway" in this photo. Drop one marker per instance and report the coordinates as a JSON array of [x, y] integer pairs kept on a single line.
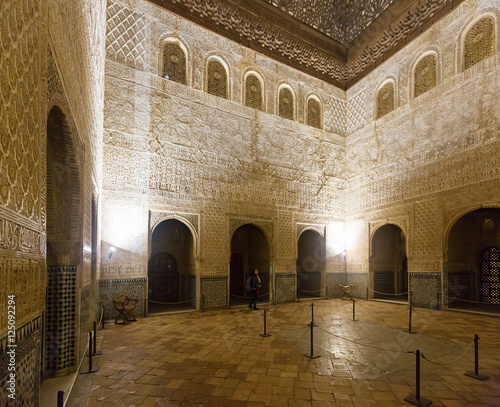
[[473, 264], [61, 325], [249, 250], [389, 264], [171, 268], [311, 277]]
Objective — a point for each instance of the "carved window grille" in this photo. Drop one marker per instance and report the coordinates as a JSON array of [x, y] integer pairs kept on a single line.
[[174, 63], [479, 42], [285, 103], [385, 100], [425, 75], [253, 92], [216, 79], [488, 226], [490, 276], [313, 113]]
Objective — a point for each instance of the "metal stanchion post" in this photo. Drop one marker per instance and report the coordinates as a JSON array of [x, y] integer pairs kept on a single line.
[[312, 314], [410, 307], [90, 356], [95, 340], [311, 356], [60, 398], [265, 334], [354, 309], [415, 398], [475, 374]]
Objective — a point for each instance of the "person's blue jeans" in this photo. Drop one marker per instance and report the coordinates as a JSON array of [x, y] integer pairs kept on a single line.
[[253, 302]]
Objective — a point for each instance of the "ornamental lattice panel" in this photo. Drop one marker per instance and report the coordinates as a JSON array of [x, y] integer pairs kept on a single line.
[[285, 103], [313, 113], [490, 277], [385, 100], [425, 75], [479, 42], [174, 63], [253, 92], [216, 79]]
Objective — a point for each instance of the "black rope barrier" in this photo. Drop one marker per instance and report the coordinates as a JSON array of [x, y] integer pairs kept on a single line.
[[379, 292], [245, 297], [453, 361], [314, 291], [172, 303], [473, 302], [360, 343]]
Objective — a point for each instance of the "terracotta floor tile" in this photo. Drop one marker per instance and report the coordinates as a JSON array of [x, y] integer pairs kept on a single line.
[[218, 359]]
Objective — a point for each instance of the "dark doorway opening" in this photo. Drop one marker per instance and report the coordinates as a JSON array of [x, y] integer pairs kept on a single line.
[[389, 265], [311, 279], [249, 250], [171, 269], [473, 265]]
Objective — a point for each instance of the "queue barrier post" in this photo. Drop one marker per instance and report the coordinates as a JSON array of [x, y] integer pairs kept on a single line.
[[60, 398], [415, 398], [265, 334], [475, 374], [90, 357]]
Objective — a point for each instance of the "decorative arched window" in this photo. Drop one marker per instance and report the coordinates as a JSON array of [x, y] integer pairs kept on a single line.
[[174, 62], [479, 42], [425, 75], [253, 92], [286, 103], [385, 99], [216, 78], [313, 112]]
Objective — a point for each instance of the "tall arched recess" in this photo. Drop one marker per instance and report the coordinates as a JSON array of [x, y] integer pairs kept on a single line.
[[249, 250], [61, 325], [311, 277], [389, 265], [472, 266], [171, 268]]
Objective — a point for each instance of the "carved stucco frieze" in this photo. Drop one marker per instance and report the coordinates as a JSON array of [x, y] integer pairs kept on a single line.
[[15, 237], [301, 227]]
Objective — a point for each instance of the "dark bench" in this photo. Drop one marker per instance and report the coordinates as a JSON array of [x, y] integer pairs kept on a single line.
[[125, 307]]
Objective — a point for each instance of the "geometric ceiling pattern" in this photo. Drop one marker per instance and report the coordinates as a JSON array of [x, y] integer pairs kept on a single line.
[[339, 42], [340, 20]]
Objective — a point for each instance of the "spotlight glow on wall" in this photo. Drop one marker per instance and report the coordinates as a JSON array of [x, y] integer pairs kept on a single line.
[[335, 238], [123, 227]]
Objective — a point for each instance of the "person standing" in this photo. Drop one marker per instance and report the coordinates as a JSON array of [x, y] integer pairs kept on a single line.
[[255, 285]]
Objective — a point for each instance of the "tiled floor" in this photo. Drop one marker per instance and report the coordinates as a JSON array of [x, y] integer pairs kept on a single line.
[[218, 358]]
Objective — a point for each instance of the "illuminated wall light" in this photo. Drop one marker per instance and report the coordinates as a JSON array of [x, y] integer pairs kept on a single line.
[[111, 251]]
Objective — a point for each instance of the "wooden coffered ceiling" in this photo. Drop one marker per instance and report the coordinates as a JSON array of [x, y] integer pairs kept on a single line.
[[337, 41]]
